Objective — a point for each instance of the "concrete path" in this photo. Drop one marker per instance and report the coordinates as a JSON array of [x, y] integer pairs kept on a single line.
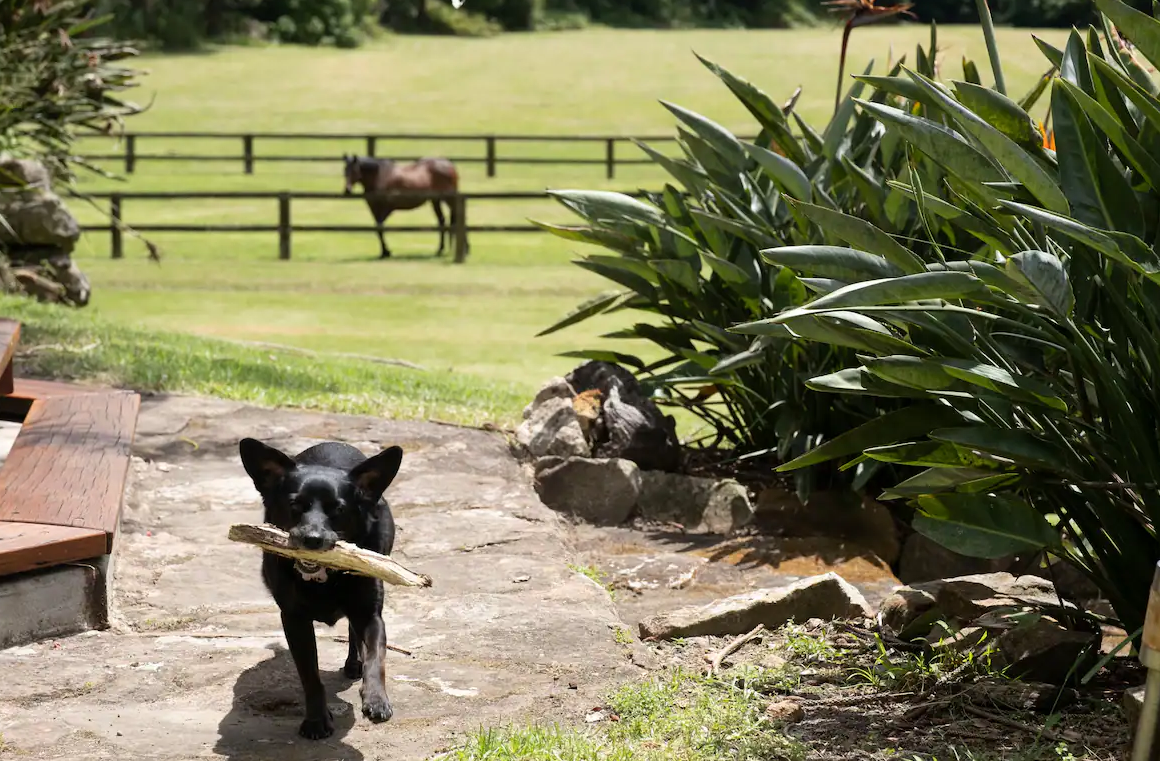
[[197, 667]]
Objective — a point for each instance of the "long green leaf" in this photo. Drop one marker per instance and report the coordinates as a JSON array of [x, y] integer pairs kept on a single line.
[[1140, 28], [1014, 159], [1000, 112], [983, 526], [722, 140], [589, 308], [784, 172], [891, 428], [941, 480], [1020, 446], [1046, 276], [832, 261], [900, 290], [862, 234], [938, 142]]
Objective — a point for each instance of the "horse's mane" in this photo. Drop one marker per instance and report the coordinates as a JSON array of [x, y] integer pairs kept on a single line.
[[370, 162]]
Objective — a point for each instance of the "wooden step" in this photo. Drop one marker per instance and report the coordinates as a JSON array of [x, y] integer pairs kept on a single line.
[[30, 546], [69, 464]]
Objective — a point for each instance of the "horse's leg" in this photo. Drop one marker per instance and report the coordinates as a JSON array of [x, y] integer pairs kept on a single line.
[[442, 229], [385, 253]]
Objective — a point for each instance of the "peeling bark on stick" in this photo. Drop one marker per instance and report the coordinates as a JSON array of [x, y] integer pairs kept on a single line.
[[344, 556]]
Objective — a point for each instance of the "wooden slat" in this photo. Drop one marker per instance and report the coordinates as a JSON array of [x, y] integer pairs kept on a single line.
[[70, 461], [9, 337], [32, 389], [29, 546]]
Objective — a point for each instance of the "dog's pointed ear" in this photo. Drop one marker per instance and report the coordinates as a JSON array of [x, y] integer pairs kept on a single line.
[[266, 465], [374, 475]]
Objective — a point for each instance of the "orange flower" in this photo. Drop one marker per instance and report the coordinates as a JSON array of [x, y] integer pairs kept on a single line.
[[1048, 137]]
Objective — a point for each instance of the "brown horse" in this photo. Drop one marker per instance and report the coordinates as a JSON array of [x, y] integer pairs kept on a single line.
[[386, 184]]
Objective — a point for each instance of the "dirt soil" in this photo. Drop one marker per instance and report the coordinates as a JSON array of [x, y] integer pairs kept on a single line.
[[198, 668], [813, 679]]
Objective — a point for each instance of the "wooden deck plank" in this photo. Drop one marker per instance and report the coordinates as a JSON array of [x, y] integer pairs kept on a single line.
[[33, 389], [30, 546], [9, 337], [69, 464]]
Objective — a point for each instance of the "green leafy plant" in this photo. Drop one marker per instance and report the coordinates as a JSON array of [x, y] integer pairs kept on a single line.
[[691, 256], [1031, 366]]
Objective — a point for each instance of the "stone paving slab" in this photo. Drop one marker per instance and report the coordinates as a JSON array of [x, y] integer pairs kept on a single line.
[[197, 668]]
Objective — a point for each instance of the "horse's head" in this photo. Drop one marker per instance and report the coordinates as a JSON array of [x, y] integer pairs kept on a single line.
[[351, 173]]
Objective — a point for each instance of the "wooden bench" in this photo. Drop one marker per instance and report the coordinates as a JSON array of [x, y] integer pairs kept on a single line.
[[62, 486]]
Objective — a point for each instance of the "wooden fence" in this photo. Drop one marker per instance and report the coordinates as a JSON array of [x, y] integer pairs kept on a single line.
[[286, 228], [249, 156]]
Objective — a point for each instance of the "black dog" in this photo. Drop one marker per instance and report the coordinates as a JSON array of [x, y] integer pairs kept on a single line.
[[328, 493]]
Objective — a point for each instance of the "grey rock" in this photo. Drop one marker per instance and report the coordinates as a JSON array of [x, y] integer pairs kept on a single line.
[[15, 173], [1133, 706], [631, 425], [556, 388], [827, 596], [553, 429], [701, 505], [37, 217], [923, 559], [1044, 650], [599, 491], [728, 508], [912, 610]]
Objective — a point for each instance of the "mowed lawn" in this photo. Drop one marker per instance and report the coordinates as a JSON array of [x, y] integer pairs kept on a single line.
[[479, 318]]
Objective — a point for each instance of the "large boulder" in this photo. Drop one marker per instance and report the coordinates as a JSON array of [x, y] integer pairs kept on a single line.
[[37, 235], [700, 505], [551, 427], [599, 491], [827, 596], [630, 426], [1020, 620]]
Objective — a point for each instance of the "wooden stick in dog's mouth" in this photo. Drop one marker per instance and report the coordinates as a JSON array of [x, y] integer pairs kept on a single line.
[[344, 556]]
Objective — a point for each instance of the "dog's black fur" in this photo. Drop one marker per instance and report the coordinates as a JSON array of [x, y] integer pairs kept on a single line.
[[329, 492]]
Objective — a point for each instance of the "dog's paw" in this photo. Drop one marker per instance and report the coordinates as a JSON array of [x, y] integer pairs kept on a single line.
[[377, 708], [317, 729], [352, 669]]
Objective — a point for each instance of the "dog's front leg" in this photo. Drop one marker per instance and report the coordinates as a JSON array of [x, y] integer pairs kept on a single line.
[[319, 722], [373, 636]]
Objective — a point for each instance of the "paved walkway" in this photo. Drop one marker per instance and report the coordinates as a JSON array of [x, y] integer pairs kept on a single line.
[[197, 667]]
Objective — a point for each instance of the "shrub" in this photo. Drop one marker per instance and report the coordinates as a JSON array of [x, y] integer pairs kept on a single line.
[[443, 19], [1033, 368], [59, 75], [691, 256]]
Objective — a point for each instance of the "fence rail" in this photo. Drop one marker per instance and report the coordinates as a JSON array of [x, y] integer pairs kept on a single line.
[[285, 226], [491, 157]]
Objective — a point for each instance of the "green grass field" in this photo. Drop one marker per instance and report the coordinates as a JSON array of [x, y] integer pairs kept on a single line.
[[479, 318]]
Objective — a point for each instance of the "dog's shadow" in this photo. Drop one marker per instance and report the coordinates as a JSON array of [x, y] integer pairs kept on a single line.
[[268, 709]]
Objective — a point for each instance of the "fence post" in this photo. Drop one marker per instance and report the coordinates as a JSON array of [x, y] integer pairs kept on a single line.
[[371, 142], [115, 214], [130, 153], [459, 206], [491, 155], [283, 225], [248, 153], [610, 157]]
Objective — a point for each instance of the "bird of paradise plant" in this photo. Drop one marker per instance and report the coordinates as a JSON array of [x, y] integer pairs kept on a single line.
[[861, 13]]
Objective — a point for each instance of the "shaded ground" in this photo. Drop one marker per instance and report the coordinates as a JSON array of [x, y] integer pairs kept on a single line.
[[653, 570], [507, 633]]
